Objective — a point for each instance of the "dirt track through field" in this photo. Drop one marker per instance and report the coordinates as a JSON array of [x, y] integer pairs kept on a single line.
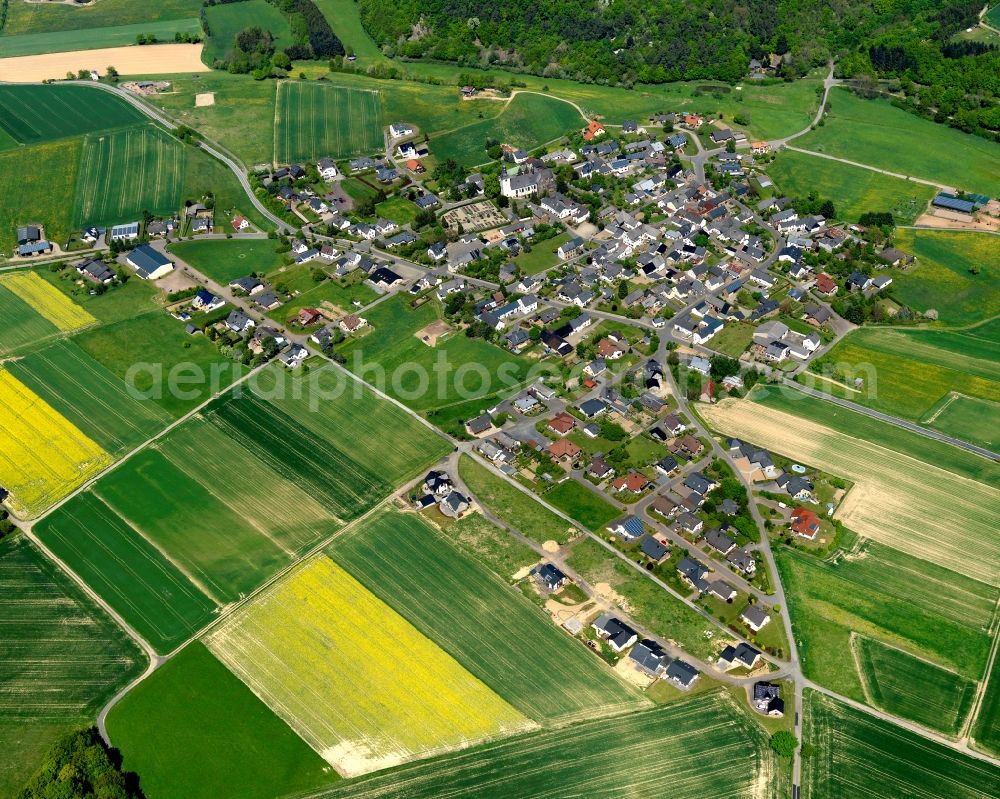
[[159, 59], [900, 501]]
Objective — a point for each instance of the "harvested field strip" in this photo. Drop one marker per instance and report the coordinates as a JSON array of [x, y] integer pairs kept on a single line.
[[131, 575], [863, 757], [357, 681], [915, 689], [42, 456], [288, 514], [482, 623], [22, 325], [216, 547], [90, 396], [47, 300], [347, 487], [703, 747], [62, 658], [335, 407], [905, 503], [127, 172]]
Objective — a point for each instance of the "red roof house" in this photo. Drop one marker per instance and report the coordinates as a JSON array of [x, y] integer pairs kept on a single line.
[[805, 523], [593, 130], [825, 284], [563, 448], [562, 423]]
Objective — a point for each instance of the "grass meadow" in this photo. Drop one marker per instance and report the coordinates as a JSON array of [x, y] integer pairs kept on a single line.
[[224, 260], [912, 688], [393, 343], [61, 660], [859, 755], [33, 17], [916, 370], [126, 172], [133, 576], [858, 130], [853, 190], [194, 704], [992, 16], [485, 625], [490, 546], [225, 21], [518, 509], [89, 396], [33, 114], [528, 121], [315, 120], [697, 747], [335, 408], [580, 503], [61, 41], [41, 195], [43, 457], [649, 604], [316, 648], [345, 20], [941, 278], [888, 597]]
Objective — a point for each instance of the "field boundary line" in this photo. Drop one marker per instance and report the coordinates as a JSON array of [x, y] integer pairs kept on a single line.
[[977, 702], [870, 168]]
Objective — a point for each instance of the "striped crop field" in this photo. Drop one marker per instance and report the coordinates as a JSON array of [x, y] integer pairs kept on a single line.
[[61, 659], [22, 324], [897, 500], [915, 689], [863, 757], [357, 681], [701, 748], [144, 587], [344, 485], [126, 172], [313, 120], [42, 456], [90, 396], [46, 300], [488, 627], [335, 407], [33, 114]]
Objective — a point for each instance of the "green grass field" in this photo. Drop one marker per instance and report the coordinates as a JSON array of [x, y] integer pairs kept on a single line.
[[852, 189], [528, 121], [61, 41], [126, 172], [146, 350], [40, 195], [542, 256], [336, 408], [33, 114], [912, 688], [858, 130], [944, 456], [858, 755], [888, 596], [580, 503], [345, 20], [227, 20], [224, 260], [491, 630], [38, 17], [128, 572], [650, 605], [315, 120], [986, 728], [428, 378], [704, 746], [90, 396], [518, 509], [194, 704], [941, 278], [61, 660], [398, 209], [909, 373], [733, 339], [490, 546]]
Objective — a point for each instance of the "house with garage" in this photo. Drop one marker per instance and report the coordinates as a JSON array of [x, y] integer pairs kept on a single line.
[[805, 523], [767, 699], [206, 301], [755, 617], [629, 528], [95, 271], [618, 635], [741, 559], [682, 674], [654, 549], [239, 322], [739, 656], [648, 657], [693, 573]]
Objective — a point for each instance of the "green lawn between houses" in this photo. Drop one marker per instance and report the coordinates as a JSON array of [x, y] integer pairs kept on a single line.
[[224, 260], [193, 730], [580, 503]]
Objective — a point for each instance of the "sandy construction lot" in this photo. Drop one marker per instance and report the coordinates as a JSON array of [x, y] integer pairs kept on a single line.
[[150, 59], [899, 501]]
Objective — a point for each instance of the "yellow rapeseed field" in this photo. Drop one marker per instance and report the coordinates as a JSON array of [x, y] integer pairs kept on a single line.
[[43, 457], [47, 300], [356, 680]]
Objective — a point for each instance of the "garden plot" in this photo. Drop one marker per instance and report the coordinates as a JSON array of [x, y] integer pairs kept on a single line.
[[357, 681], [897, 500]]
